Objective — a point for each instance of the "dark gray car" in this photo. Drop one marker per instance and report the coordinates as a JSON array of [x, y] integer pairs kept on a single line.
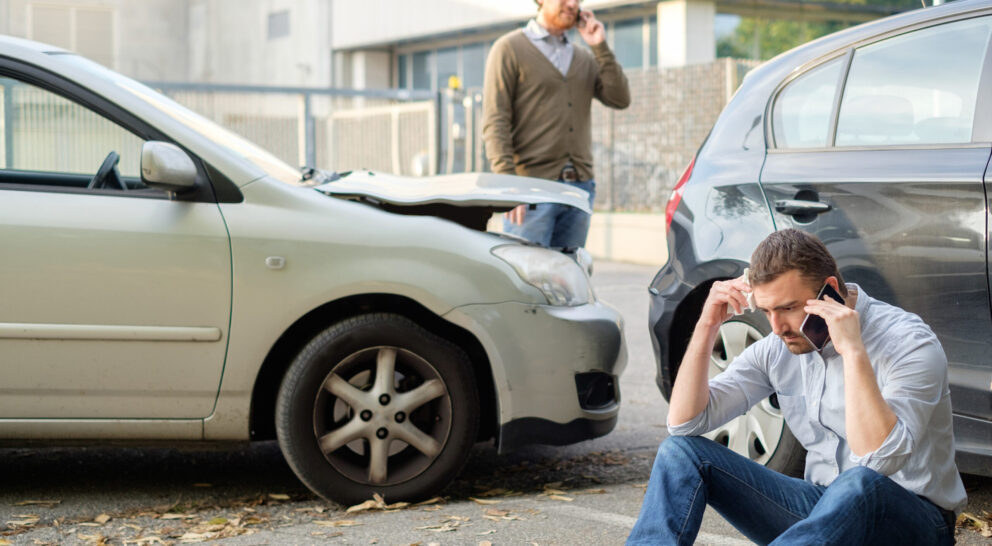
[[876, 139]]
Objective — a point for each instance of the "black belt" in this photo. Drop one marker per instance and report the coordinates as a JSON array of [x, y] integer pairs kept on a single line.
[[569, 174]]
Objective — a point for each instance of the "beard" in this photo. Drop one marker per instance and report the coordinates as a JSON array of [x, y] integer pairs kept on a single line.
[[796, 343], [561, 21]]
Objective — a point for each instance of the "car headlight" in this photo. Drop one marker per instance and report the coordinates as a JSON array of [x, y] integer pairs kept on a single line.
[[557, 276]]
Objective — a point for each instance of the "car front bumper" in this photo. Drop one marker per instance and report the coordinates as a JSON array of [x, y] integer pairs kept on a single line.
[[556, 369]]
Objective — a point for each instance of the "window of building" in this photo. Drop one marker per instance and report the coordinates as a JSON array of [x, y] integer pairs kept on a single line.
[[431, 69], [801, 115], [402, 73], [278, 26], [422, 69], [628, 42], [913, 89], [85, 30], [473, 64], [447, 66]]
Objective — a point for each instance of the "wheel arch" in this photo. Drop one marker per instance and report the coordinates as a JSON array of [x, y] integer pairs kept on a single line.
[[289, 344]]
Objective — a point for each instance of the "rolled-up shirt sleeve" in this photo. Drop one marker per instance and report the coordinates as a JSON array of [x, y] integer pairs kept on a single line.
[[744, 383], [912, 385]]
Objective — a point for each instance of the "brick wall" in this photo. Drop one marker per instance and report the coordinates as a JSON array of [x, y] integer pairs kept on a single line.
[[640, 152]]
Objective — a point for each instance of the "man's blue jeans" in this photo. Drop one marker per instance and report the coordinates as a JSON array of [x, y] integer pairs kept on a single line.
[[860, 507], [554, 225]]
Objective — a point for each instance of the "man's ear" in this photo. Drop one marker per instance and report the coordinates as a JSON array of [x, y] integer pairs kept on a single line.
[[832, 281]]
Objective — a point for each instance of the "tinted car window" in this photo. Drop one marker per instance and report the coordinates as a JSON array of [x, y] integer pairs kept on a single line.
[[917, 88], [801, 116]]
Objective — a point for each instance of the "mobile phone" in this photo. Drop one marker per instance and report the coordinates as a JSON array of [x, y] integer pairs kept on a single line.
[[580, 19], [814, 328]]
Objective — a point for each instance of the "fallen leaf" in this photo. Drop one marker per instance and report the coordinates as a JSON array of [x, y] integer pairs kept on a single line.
[[5, 542], [485, 543], [484, 501], [145, 540], [279, 496], [367, 505], [562, 498], [102, 519], [593, 492], [489, 532], [177, 516], [549, 491], [593, 478], [496, 512], [434, 500], [338, 523], [217, 521], [48, 503]]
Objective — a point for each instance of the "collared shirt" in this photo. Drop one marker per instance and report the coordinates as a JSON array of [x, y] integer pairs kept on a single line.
[[557, 49], [911, 369]]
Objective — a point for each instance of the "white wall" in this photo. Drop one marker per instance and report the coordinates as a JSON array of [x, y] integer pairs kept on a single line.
[[359, 23], [229, 43]]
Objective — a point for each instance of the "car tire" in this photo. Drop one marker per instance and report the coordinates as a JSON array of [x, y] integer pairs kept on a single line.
[[760, 434], [349, 435]]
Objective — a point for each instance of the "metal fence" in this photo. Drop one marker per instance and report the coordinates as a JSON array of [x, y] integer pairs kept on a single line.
[[340, 129], [638, 152]]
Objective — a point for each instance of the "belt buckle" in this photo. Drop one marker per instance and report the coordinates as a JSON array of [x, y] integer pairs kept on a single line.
[[569, 174]]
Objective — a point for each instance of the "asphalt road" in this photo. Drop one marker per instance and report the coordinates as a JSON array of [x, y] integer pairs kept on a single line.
[[589, 493]]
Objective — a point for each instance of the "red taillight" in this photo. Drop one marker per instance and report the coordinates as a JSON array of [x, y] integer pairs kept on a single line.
[[676, 198]]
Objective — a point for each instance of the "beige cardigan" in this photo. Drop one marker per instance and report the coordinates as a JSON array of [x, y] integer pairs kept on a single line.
[[534, 119]]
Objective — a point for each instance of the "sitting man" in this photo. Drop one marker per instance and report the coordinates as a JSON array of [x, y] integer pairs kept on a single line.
[[872, 408]]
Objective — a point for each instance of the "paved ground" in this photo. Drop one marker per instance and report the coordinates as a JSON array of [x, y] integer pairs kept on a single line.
[[589, 493]]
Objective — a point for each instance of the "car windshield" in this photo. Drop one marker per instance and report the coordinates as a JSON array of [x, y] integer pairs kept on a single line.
[[195, 122]]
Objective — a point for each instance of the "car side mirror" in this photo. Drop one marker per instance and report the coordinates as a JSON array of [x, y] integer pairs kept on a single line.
[[166, 166]]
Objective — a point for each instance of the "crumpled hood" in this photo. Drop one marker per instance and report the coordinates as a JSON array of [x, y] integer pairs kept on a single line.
[[493, 192]]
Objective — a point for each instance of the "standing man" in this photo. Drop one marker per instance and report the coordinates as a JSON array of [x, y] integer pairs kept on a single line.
[[536, 113], [872, 408]]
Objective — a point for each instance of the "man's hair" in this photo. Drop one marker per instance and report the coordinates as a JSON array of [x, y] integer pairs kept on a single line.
[[794, 250]]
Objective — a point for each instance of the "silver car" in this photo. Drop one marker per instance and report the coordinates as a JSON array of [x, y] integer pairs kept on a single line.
[[164, 279]]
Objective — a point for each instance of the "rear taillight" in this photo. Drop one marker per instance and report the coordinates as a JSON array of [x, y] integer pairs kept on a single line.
[[676, 198]]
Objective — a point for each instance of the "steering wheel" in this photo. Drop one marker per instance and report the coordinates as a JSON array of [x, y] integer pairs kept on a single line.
[[108, 172]]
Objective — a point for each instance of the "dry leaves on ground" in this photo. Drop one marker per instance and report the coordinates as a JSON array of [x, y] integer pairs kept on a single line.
[[981, 524], [377, 503], [44, 503]]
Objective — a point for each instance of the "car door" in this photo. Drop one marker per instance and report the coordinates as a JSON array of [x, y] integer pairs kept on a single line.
[[114, 298], [881, 152]]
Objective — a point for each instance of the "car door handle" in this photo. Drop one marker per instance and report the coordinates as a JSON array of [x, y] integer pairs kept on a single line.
[[796, 206]]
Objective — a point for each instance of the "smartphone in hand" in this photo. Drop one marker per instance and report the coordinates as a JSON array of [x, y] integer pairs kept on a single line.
[[580, 19], [814, 328]]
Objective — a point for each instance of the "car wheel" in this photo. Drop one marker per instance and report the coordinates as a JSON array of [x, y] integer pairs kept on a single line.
[[760, 434], [377, 404]]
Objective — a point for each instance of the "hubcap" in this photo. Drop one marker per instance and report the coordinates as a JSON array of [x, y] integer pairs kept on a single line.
[[755, 434], [382, 416]]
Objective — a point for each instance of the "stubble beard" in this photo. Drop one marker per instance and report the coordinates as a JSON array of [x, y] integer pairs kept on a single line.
[[797, 347], [561, 21]]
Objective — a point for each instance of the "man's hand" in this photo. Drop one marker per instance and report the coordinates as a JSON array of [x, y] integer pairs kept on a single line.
[[591, 30], [516, 215], [724, 300], [842, 322]]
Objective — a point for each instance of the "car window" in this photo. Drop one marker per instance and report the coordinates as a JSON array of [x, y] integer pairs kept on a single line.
[[917, 88], [49, 140], [801, 115]]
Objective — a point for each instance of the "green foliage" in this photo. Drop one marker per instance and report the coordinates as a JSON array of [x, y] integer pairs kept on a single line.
[[757, 38]]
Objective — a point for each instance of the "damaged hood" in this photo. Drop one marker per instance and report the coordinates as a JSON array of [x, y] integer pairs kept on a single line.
[[467, 198]]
